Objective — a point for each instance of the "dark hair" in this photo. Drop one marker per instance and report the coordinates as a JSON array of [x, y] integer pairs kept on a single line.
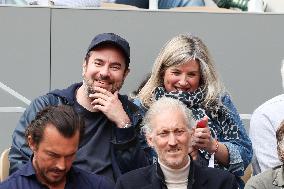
[[62, 117], [141, 85]]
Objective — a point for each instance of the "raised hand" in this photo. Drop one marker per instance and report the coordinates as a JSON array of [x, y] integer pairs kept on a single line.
[[201, 138], [110, 105]]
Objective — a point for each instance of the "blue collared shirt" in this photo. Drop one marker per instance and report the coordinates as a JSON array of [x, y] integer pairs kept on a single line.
[[25, 178]]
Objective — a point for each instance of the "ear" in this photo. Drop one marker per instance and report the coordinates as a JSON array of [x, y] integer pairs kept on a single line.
[[149, 138], [84, 68], [190, 135], [31, 143], [126, 72]]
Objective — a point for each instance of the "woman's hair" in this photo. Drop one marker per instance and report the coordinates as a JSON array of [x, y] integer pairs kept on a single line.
[[179, 50]]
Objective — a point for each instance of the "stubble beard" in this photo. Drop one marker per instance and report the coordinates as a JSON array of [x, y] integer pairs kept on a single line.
[[177, 163], [41, 174], [89, 85]]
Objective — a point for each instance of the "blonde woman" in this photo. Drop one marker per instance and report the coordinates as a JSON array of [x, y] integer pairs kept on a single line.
[[184, 70]]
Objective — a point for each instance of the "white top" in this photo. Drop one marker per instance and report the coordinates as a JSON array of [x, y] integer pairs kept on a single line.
[[176, 178], [77, 3], [263, 125], [67, 3], [274, 5]]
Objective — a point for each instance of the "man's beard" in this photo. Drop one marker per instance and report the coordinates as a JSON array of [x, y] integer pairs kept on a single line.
[[45, 179], [89, 85]]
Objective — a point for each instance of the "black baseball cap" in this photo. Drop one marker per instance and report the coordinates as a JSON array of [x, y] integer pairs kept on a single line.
[[112, 39]]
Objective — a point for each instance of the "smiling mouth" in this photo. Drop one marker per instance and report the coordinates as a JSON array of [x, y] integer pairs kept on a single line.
[[182, 89], [102, 83]]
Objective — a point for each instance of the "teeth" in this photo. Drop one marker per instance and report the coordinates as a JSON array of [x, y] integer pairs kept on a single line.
[[180, 89], [102, 82], [173, 150]]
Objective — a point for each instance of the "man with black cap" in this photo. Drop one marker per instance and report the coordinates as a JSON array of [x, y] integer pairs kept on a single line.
[[110, 146]]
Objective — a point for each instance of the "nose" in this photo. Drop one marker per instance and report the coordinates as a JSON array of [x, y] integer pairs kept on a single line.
[[104, 72], [61, 164], [183, 81], [172, 139]]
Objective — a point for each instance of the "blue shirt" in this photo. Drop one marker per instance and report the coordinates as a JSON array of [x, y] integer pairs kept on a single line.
[[25, 178]]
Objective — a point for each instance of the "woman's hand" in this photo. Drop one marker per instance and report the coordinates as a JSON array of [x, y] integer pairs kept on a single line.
[[193, 152], [201, 138]]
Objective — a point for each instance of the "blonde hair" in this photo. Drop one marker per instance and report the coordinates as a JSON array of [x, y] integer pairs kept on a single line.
[[179, 50]]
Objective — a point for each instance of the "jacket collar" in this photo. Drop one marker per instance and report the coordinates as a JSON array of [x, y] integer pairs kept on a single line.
[[278, 179], [28, 169], [69, 97], [67, 94]]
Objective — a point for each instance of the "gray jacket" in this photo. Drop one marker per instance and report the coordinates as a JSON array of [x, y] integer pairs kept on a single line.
[[270, 179]]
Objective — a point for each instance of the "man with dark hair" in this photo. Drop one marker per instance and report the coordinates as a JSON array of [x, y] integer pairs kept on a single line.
[[110, 145], [53, 137]]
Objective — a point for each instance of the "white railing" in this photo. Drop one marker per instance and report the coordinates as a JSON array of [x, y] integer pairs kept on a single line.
[[12, 109], [16, 95]]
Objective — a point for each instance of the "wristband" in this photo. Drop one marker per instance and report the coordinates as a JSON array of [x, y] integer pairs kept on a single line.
[[127, 125], [216, 146]]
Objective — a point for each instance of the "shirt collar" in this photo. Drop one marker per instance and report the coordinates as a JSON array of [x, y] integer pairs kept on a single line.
[[28, 169]]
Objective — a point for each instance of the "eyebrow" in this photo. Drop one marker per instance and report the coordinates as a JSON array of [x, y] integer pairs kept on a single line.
[[101, 60], [116, 63], [98, 59], [51, 152], [176, 69], [55, 154], [178, 127]]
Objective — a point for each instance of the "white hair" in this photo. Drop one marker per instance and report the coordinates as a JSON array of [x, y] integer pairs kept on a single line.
[[161, 106]]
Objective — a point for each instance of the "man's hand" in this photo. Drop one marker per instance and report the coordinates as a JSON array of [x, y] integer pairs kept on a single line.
[[110, 105]]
